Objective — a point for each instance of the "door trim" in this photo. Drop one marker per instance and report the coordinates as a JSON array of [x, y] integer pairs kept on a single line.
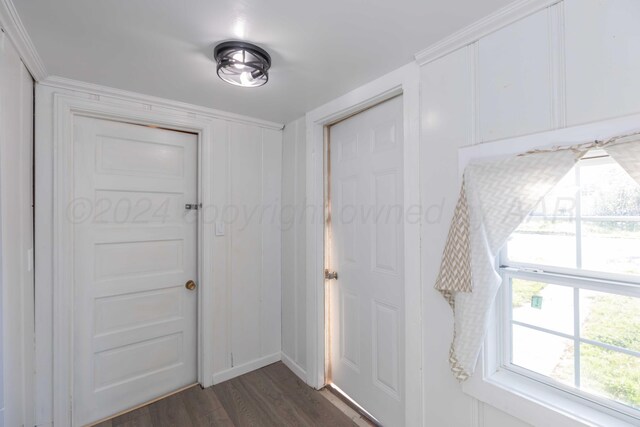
[[405, 82], [65, 109]]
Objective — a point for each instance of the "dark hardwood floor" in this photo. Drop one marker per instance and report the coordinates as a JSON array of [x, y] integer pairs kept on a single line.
[[271, 396]]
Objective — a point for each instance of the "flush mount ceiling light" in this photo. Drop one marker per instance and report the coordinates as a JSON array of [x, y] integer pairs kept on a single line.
[[242, 64]]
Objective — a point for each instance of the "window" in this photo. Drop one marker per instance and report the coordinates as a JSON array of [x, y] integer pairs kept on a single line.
[[571, 293]]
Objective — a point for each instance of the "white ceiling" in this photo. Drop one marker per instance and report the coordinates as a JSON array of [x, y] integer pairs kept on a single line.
[[320, 49]]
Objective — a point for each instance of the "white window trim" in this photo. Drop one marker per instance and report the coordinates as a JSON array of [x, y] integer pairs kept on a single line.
[[524, 398], [614, 409]]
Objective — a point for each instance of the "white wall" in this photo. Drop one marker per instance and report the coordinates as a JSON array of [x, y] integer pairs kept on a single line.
[[246, 172], [247, 179], [571, 63], [16, 236], [294, 296], [518, 80]]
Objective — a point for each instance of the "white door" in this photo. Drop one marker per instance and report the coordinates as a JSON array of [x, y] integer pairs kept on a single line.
[[366, 250], [135, 249]]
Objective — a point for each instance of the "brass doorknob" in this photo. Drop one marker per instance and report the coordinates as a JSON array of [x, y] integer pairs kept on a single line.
[[191, 285]]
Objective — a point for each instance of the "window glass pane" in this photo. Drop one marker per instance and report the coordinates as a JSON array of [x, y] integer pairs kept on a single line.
[[542, 304], [543, 353], [610, 374], [610, 319], [610, 212], [548, 235]]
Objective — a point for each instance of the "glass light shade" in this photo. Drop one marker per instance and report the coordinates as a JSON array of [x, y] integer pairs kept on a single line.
[[242, 64]]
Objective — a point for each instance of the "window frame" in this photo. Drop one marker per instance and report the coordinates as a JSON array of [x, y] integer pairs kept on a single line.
[[523, 397], [576, 283], [576, 279]]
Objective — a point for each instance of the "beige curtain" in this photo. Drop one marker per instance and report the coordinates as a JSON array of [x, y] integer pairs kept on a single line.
[[495, 198]]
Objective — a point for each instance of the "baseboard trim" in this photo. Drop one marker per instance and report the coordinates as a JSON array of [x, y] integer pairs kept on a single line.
[[295, 368], [236, 371]]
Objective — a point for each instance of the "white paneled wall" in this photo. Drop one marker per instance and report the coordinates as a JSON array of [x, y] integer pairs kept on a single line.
[[576, 61], [602, 59], [294, 344], [446, 124], [570, 63], [16, 236], [514, 79], [249, 304]]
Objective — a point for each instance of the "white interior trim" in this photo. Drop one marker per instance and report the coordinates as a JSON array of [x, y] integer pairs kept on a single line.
[[601, 131], [295, 368], [65, 107], [479, 29], [236, 371], [12, 25], [155, 102], [405, 81]]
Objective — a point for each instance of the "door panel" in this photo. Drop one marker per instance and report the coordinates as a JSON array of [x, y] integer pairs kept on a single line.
[[366, 249], [135, 248]]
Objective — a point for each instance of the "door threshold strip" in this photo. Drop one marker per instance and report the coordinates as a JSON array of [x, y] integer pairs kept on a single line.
[[336, 391]]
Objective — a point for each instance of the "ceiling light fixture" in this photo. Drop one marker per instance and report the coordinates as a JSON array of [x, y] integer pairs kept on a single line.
[[242, 64]]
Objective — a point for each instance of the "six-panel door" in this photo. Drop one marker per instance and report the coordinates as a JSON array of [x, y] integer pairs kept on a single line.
[[366, 249]]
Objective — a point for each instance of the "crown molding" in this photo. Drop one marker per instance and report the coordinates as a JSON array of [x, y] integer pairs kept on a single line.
[[153, 101], [487, 25], [12, 26]]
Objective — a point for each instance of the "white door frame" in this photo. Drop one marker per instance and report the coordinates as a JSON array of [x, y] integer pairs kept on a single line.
[[65, 108], [405, 82]]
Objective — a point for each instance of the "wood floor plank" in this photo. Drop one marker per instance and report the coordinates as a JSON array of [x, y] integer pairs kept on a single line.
[[169, 412], [138, 418], [237, 401], [279, 373], [217, 418], [321, 411], [199, 402], [316, 406], [271, 396]]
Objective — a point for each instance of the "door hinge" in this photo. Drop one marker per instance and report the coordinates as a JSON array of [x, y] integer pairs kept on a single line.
[[193, 206], [232, 360], [330, 275]]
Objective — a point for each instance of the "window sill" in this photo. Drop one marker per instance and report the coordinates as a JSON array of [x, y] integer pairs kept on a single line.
[[535, 403]]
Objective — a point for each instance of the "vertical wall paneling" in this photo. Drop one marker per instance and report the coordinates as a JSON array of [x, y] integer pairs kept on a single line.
[[447, 123], [289, 243], [300, 255], [473, 57], [221, 249], [3, 42], [573, 62], [16, 237], [270, 304], [514, 79], [293, 243], [246, 244], [557, 69], [255, 242], [602, 59]]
